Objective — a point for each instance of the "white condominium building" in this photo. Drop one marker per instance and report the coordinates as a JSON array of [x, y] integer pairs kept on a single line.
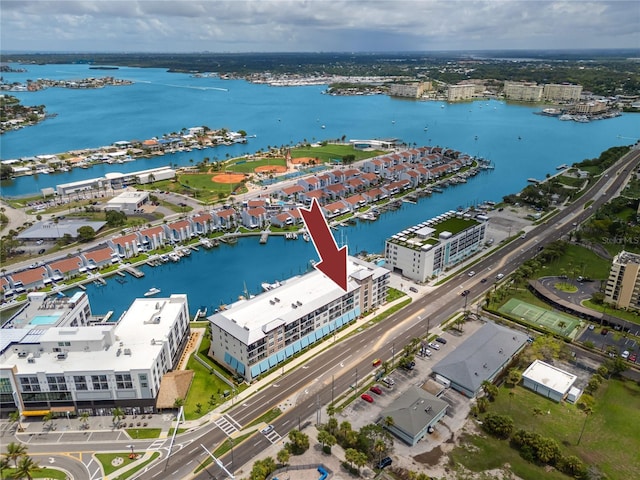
[[523, 91], [456, 93], [251, 337], [431, 247], [93, 368], [561, 92], [412, 90]]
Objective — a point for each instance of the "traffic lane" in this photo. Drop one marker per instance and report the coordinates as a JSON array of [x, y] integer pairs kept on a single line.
[[75, 468]]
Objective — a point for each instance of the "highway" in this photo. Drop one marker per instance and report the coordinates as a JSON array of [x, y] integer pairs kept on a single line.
[[301, 392]]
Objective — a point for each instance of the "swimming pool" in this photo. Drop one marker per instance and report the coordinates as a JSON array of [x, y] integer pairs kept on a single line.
[[44, 320]]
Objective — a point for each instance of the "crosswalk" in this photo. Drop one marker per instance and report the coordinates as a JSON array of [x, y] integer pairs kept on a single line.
[[156, 445], [227, 424]]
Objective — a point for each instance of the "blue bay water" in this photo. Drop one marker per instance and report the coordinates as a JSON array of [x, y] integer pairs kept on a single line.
[[520, 145]]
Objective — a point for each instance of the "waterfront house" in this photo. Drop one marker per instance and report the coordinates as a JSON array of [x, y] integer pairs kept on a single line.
[[202, 223], [424, 173], [225, 218], [355, 202], [398, 186], [355, 185], [337, 176], [152, 238], [370, 179], [336, 208], [65, 268], [126, 246], [256, 203], [376, 194], [351, 173], [412, 176], [374, 165], [254, 217], [28, 279], [179, 231], [97, 258]]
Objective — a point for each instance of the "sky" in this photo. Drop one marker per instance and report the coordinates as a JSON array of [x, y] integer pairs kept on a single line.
[[315, 25]]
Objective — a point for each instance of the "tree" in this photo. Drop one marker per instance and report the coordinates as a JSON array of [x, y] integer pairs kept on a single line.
[[178, 402], [350, 455], [4, 465], [380, 448], [86, 234], [332, 425], [198, 408], [514, 377], [5, 171], [360, 459], [299, 442], [490, 390], [118, 414], [587, 411], [84, 418], [388, 421], [500, 426], [15, 418], [283, 456], [47, 418], [15, 451], [26, 467]]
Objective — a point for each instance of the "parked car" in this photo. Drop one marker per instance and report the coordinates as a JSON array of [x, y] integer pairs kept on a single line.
[[625, 354], [388, 381], [266, 430], [376, 389], [366, 397], [441, 340], [409, 365], [385, 462], [633, 357], [413, 289], [604, 331], [41, 251], [426, 352], [434, 345]]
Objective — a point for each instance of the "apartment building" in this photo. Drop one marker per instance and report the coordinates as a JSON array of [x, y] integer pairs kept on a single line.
[[456, 93], [251, 337], [561, 92], [411, 90], [50, 366], [523, 91], [623, 285], [432, 247]]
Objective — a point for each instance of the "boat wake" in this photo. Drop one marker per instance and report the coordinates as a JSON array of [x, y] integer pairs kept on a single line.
[[190, 87]]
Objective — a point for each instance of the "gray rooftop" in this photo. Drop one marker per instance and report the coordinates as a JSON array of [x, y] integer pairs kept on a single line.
[[479, 357], [50, 230], [414, 410]]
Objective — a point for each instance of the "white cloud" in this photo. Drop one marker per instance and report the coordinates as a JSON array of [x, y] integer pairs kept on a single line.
[[313, 25]]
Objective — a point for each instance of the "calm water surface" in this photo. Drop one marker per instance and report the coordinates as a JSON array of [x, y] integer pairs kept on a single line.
[[520, 144]]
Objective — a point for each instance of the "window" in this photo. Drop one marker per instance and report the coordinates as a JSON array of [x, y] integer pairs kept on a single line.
[[57, 383], [99, 382], [123, 381], [81, 382], [64, 344], [143, 380], [5, 386], [30, 384]]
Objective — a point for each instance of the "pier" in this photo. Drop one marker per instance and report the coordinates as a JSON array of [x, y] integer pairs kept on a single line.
[[118, 272], [264, 237], [133, 271]]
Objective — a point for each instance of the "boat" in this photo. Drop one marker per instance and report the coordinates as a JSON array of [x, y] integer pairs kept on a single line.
[[305, 237], [562, 167], [151, 292], [266, 286]]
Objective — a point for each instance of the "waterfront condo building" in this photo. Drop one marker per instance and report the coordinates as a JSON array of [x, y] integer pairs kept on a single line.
[[623, 285], [456, 93], [432, 247], [50, 365], [251, 337], [411, 90], [561, 92], [523, 91]]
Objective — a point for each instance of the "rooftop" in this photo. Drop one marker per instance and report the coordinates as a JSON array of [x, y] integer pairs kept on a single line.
[[551, 377], [427, 234]]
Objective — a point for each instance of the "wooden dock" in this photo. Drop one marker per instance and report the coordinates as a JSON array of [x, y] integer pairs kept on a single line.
[[133, 271]]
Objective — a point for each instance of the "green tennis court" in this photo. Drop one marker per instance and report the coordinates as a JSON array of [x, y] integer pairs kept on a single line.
[[556, 322]]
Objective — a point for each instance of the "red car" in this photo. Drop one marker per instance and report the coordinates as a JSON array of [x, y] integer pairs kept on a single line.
[[377, 390], [633, 357], [366, 397]]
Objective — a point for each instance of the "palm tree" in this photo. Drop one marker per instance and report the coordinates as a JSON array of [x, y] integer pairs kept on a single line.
[[379, 447], [26, 467], [15, 417], [118, 414], [84, 418], [15, 451], [4, 465], [47, 418], [283, 456], [388, 422]]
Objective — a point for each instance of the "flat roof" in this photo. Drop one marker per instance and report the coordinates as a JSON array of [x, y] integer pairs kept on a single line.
[[428, 233], [553, 378], [248, 320], [134, 331]]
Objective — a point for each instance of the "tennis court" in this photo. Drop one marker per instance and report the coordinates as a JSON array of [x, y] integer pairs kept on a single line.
[[556, 322]]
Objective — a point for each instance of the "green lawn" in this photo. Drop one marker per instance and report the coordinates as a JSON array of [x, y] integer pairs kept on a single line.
[[329, 152], [105, 460], [131, 472], [609, 441], [249, 166], [137, 433], [576, 261]]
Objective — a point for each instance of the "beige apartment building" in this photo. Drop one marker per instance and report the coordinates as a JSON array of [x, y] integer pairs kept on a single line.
[[460, 92], [523, 91], [561, 92], [623, 285], [411, 90]]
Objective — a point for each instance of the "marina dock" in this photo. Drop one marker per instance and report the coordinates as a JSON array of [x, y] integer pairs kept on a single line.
[[133, 271]]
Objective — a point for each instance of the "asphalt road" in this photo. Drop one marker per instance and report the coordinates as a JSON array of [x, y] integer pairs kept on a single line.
[[302, 392]]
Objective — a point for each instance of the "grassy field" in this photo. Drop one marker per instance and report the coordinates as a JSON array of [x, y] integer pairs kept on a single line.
[[329, 152], [609, 441], [576, 261], [47, 473], [137, 433], [249, 166]]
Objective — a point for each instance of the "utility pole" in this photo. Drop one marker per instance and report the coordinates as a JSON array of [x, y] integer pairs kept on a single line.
[[356, 378], [393, 354], [332, 385]]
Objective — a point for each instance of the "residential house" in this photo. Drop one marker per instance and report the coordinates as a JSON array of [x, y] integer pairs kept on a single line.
[[290, 193], [254, 217], [335, 191], [225, 218], [307, 197], [203, 223], [152, 238], [282, 220], [65, 268], [412, 176], [29, 279], [97, 258], [376, 194], [309, 184], [179, 231], [336, 208], [355, 201], [127, 246]]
